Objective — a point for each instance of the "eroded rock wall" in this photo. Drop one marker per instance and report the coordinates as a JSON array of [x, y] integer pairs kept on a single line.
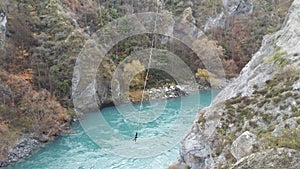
[[253, 109]]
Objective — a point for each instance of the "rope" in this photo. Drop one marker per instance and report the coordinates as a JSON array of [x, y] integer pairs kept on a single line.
[[148, 70]]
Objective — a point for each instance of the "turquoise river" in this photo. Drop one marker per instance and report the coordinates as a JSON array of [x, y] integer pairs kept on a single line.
[[79, 151]]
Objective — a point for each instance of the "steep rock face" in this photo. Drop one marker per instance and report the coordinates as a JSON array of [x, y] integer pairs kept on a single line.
[[231, 8], [264, 101], [269, 59], [237, 25]]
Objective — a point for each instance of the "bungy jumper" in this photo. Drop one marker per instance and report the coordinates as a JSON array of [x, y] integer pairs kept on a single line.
[[147, 75]]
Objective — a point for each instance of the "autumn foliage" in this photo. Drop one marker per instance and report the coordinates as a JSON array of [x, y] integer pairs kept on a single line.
[[25, 110]]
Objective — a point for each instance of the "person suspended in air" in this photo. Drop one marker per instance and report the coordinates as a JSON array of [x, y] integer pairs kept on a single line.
[[135, 137]]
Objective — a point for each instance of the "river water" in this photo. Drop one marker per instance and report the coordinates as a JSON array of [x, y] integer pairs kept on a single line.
[[80, 150]]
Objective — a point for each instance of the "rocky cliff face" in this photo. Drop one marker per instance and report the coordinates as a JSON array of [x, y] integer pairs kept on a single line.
[[255, 121]]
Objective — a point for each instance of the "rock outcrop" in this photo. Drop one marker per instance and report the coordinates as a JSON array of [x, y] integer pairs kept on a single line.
[[3, 21], [257, 113], [238, 7], [275, 158], [243, 145]]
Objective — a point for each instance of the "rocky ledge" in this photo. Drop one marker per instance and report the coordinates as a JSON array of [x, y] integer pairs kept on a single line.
[[279, 157]]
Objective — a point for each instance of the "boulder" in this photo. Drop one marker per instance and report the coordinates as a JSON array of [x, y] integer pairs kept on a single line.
[[195, 150], [4, 163], [243, 145]]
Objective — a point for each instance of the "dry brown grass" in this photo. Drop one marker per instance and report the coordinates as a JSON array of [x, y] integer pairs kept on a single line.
[[136, 95], [63, 117]]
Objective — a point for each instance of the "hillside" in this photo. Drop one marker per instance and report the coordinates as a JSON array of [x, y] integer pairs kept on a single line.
[[254, 121]]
